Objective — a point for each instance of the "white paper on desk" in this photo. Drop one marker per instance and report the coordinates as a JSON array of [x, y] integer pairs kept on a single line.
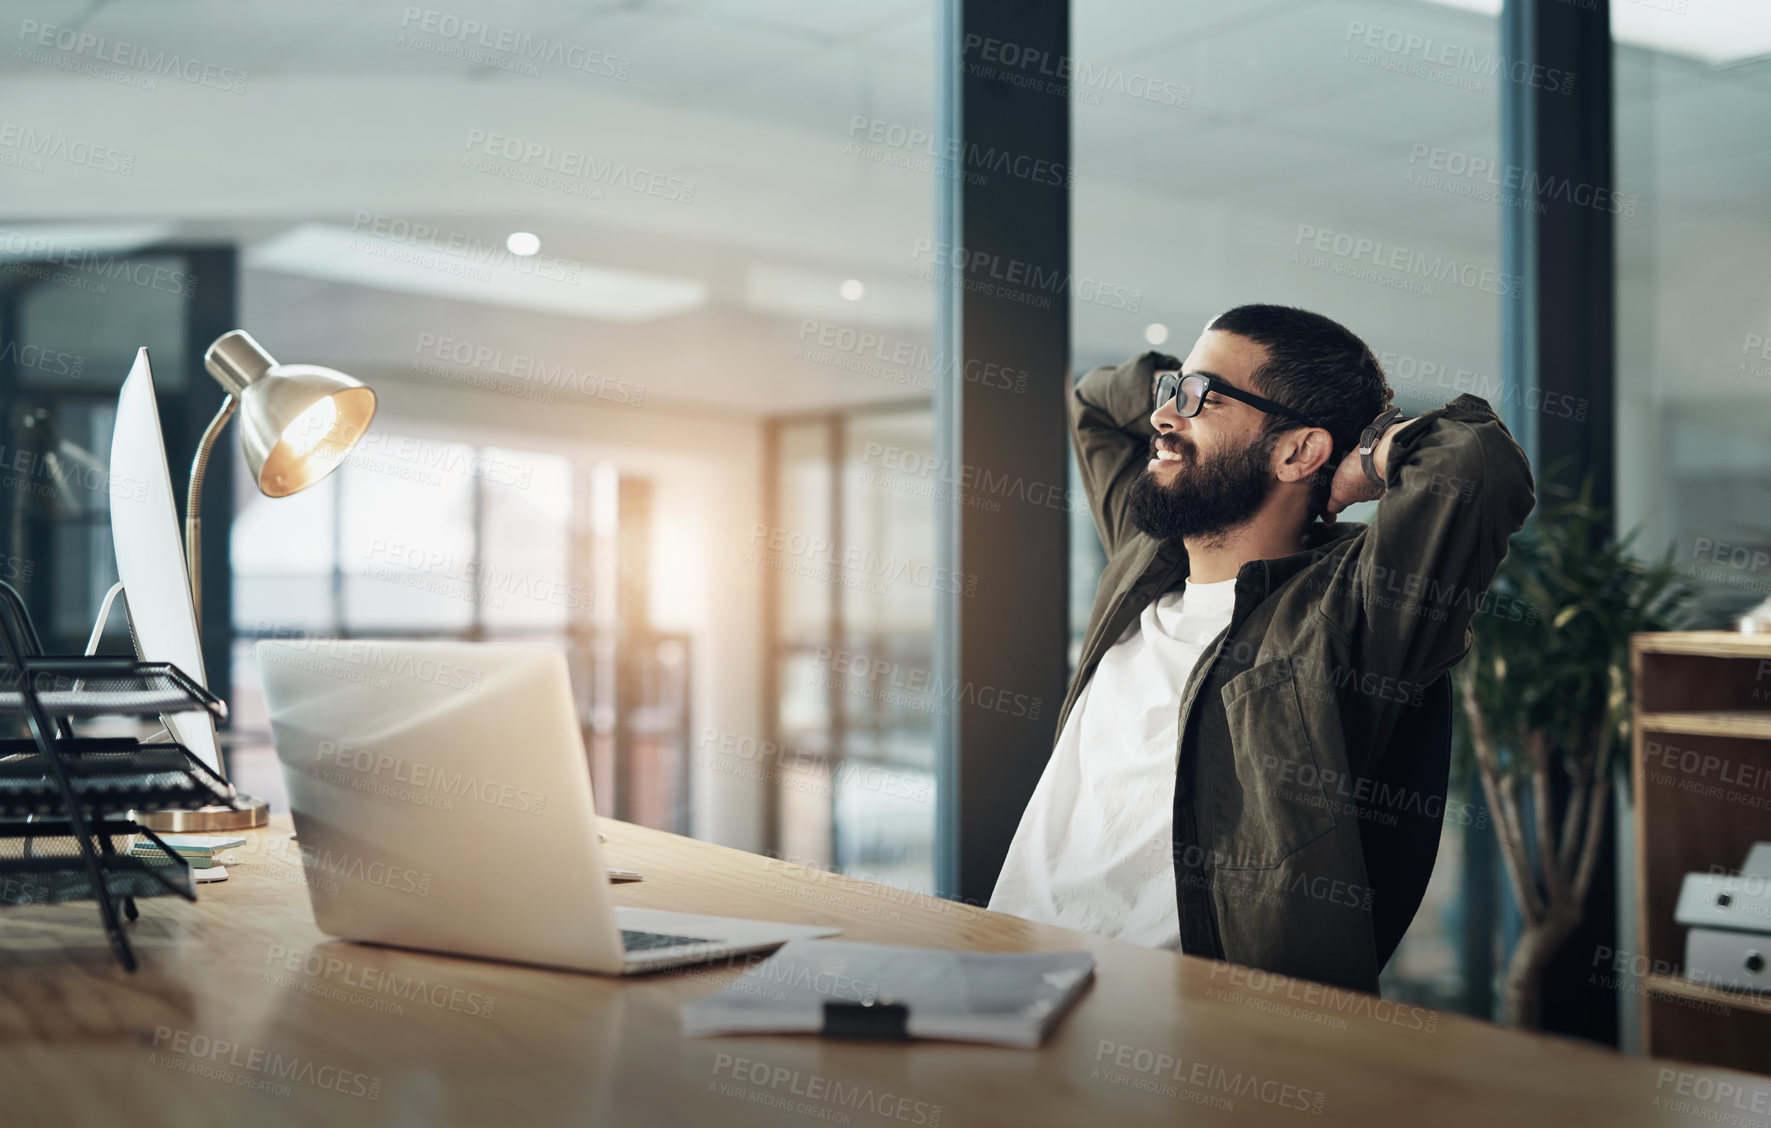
[[1003, 998]]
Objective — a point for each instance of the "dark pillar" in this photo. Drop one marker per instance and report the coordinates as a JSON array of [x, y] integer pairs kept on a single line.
[[1559, 350], [1556, 105], [1001, 262]]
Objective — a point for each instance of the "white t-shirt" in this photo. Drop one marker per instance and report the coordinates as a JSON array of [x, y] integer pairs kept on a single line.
[[1094, 850]]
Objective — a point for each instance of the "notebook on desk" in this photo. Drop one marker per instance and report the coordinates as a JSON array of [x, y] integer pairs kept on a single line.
[[836, 987]]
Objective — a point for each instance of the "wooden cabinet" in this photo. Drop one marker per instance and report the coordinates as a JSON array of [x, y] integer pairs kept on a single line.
[[1702, 766]]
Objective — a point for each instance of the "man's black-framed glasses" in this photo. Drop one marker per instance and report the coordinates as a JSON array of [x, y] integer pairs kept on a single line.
[[1188, 393]]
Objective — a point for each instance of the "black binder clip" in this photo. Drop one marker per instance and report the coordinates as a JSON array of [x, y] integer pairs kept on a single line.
[[869, 1018]]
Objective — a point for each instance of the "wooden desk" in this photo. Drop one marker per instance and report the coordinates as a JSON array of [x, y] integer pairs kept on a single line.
[[379, 1036]]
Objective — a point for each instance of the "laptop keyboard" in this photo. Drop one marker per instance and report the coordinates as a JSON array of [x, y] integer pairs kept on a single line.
[[646, 941]]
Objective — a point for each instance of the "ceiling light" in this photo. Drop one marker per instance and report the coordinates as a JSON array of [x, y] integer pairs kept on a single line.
[[1156, 332], [852, 290], [523, 243], [444, 265]]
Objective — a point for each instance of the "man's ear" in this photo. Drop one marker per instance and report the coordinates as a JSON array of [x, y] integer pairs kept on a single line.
[[1300, 454]]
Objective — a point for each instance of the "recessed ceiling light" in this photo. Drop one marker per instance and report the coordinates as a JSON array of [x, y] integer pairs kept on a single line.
[[1156, 332], [523, 243], [852, 290], [474, 272]]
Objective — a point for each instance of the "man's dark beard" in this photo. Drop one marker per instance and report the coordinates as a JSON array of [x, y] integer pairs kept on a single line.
[[1205, 499]]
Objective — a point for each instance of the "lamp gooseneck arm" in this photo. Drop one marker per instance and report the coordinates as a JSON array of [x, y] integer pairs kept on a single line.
[[193, 509]]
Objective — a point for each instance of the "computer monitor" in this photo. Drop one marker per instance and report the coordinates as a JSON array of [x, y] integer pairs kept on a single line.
[[150, 551]]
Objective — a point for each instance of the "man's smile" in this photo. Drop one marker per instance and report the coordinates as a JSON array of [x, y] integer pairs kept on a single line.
[[1165, 449]]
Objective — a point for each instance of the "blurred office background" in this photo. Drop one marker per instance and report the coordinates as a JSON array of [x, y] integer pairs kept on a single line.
[[689, 434]]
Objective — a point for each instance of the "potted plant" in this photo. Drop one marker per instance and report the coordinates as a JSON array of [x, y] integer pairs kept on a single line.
[[1546, 691]]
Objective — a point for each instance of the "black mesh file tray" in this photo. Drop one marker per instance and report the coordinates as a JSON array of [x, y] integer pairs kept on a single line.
[[110, 776], [102, 686], [41, 862], [62, 794]]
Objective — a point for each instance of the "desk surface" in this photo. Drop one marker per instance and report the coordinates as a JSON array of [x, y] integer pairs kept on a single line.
[[320, 1031]]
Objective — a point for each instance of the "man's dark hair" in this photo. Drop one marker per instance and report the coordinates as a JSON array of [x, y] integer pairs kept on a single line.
[[1319, 369]]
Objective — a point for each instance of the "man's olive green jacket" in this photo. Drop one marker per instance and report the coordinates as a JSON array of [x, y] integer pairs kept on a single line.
[[1315, 733]]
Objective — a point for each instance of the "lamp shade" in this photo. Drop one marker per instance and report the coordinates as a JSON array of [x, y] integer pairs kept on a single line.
[[297, 421]]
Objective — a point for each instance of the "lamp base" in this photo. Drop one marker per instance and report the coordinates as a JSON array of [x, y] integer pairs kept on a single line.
[[252, 812]]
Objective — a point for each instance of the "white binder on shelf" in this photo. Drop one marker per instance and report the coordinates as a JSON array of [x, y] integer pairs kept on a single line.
[[1737, 901], [1722, 957]]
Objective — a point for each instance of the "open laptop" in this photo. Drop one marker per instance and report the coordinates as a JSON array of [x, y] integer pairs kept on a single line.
[[442, 801]]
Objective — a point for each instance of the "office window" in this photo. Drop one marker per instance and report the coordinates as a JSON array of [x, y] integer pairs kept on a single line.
[[1694, 295], [428, 538], [406, 537], [525, 572], [857, 697]]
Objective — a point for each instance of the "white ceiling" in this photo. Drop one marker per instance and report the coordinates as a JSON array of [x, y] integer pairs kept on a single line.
[[1193, 207]]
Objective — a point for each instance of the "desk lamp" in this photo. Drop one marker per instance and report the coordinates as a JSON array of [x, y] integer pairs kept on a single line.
[[297, 423]]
